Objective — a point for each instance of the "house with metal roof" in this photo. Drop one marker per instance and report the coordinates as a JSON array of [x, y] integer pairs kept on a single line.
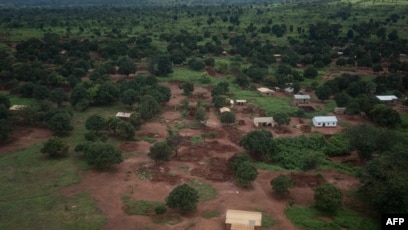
[[325, 121], [301, 98], [264, 121], [387, 98]]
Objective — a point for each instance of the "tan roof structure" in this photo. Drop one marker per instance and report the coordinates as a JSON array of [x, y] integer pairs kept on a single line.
[[123, 115], [17, 107], [265, 91], [243, 220], [264, 121], [225, 109]]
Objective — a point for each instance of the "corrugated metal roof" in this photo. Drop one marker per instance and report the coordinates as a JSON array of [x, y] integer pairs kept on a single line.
[[302, 97], [17, 107], [387, 97], [325, 119], [263, 119], [122, 114]]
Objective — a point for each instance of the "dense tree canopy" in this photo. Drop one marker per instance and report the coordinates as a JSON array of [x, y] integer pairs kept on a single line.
[[260, 144], [328, 197], [183, 197]]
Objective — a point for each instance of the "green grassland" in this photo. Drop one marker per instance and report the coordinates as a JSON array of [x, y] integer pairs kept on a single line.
[[29, 198]]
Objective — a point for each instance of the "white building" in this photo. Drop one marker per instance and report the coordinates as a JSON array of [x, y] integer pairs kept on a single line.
[[387, 98], [123, 115], [301, 98], [325, 121], [264, 121]]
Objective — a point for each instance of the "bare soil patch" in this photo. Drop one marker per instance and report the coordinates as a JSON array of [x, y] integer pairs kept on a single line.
[[22, 137]]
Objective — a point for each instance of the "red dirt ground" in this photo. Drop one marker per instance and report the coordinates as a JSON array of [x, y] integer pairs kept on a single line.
[[23, 137], [206, 161]]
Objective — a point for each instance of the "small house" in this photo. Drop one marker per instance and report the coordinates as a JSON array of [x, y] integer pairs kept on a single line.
[[243, 220], [340, 110], [225, 109], [324, 121], [265, 91], [387, 98], [123, 115], [301, 98], [241, 102], [264, 121]]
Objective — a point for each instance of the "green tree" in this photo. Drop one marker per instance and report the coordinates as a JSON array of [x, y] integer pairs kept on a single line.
[[385, 116], [183, 197], [4, 101], [236, 160], [95, 122], [246, 173], [323, 92], [328, 198], [60, 123], [227, 117], [149, 107], [102, 155], [384, 180], [125, 130], [126, 67], [58, 96], [281, 119], [55, 147], [196, 64], [219, 101], [353, 108], [174, 139], [260, 144], [310, 72], [188, 88], [281, 184], [341, 99], [41, 92], [201, 114], [129, 97], [160, 151]]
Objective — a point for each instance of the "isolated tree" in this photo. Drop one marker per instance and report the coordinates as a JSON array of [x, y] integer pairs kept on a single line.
[[236, 160], [281, 184], [227, 117], [58, 96], [323, 92], [102, 155], [125, 130], [188, 88], [60, 123], [246, 173], [95, 122], [160, 151], [149, 107], [310, 72], [260, 144], [201, 114], [184, 198], [281, 119], [129, 97], [55, 147], [328, 198]]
